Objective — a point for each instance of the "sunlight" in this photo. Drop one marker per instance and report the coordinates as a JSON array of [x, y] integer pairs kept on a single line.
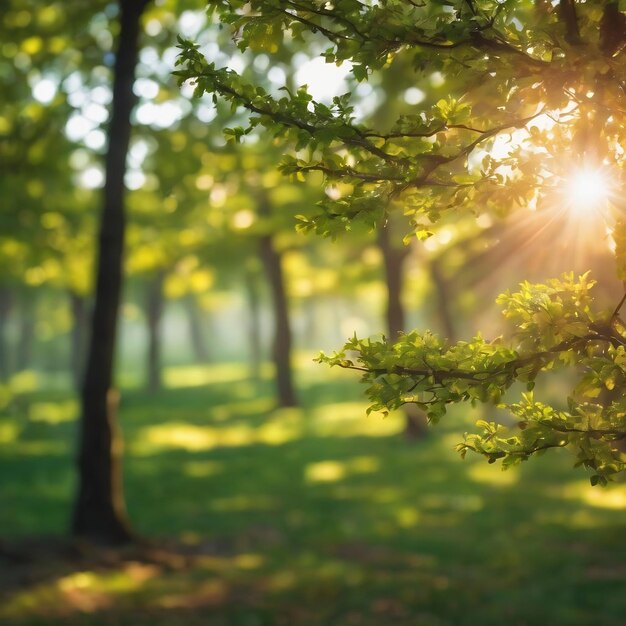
[[196, 376], [277, 432], [53, 412], [492, 475], [587, 191], [324, 472], [9, 432], [333, 471], [91, 178], [45, 90], [324, 80], [346, 419], [611, 497], [24, 382]]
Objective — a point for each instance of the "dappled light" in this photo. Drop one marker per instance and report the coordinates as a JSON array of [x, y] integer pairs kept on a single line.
[[327, 521], [202, 469], [492, 475], [9, 432], [324, 471], [312, 313], [613, 498], [189, 437], [308, 504], [334, 471], [347, 420], [53, 412], [195, 376], [363, 508]]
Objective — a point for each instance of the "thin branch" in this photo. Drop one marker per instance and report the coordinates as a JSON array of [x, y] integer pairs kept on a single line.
[[481, 376], [476, 40], [597, 432], [615, 313], [348, 171], [335, 15], [428, 133], [472, 7], [287, 120], [329, 34]]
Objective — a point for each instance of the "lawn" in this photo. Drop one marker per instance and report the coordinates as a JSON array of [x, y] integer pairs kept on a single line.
[[315, 516]]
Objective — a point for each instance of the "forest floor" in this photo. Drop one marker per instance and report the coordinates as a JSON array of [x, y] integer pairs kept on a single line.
[[317, 516]]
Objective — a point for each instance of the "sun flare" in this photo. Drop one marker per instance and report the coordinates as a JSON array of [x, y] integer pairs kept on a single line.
[[587, 191]]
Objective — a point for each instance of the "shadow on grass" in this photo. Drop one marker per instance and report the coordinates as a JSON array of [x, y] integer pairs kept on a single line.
[[305, 517]]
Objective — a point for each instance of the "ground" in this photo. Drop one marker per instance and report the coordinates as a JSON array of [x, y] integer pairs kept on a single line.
[[306, 517]]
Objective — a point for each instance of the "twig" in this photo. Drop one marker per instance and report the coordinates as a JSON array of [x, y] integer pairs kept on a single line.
[[618, 307]]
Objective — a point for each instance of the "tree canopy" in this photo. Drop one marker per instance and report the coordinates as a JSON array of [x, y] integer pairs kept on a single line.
[[533, 120]]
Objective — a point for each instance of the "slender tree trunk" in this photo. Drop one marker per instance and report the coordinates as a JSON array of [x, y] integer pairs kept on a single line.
[[310, 313], [154, 313], [99, 509], [442, 290], [612, 28], [26, 333], [254, 322], [281, 349], [80, 325], [6, 302], [393, 261], [197, 335]]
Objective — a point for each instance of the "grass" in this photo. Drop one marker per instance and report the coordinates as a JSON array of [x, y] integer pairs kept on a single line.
[[307, 517]]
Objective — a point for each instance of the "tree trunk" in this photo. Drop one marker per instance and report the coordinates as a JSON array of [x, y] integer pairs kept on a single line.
[[196, 330], [281, 348], [6, 302], [99, 510], [26, 333], [311, 316], [254, 322], [80, 325], [442, 291], [393, 260], [154, 313]]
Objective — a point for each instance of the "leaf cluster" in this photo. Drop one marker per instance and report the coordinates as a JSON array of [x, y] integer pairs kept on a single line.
[[556, 327]]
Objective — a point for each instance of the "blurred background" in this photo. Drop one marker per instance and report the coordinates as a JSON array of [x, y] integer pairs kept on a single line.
[[265, 494]]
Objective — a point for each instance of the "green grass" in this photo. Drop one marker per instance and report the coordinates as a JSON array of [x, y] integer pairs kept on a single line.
[[319, 516]]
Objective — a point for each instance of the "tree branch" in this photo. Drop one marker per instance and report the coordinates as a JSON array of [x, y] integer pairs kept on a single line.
[[567, 11]]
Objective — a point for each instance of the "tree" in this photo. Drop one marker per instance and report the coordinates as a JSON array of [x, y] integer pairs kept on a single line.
[[394, 257], [99, 511], [261, 211], [533, 119], [281, 344], [45, 219]]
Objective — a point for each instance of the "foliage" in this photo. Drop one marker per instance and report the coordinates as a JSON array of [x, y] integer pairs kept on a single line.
[[535, 98], [556, 328], [42, 222]]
